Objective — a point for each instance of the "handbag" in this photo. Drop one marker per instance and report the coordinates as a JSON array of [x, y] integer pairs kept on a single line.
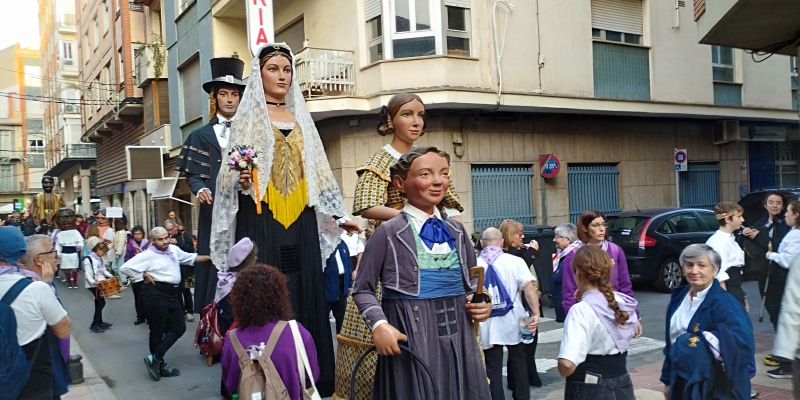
[[303, 366], [207, 336]]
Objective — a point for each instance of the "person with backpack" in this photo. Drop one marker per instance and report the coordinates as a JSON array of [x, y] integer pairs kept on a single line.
[[507, 279], [28, 307], [95, 270], [285, 357]]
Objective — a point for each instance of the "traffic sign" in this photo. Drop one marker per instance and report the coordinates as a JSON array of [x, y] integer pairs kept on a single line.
[[681, 160], [550, 166]]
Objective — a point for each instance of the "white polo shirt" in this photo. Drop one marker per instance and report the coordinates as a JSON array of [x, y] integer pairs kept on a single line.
[[161, 267]]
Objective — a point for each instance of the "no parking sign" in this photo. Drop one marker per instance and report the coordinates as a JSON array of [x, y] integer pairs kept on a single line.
[[681, 160]]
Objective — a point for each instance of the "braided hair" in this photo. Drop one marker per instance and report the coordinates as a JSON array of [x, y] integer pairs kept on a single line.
[[594, 267]]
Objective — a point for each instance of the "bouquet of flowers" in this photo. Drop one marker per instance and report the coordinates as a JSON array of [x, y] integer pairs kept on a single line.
[[242, 157]]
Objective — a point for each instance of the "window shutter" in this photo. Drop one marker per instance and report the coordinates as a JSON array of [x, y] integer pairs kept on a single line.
[[617, 15], [457, 3], [372, 9]]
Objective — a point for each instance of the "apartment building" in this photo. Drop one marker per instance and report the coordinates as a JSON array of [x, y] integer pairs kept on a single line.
[[611, 87], [109, 33], [22, 140], [67, 159]]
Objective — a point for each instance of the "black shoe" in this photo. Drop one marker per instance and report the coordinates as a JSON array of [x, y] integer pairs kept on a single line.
[[105, 325], [140, 320], [153, 367], [96, 328], [167, 371]]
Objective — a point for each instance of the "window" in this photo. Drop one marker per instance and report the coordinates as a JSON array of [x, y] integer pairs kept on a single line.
[[36, 153], [107, 16], [7, 178], [712, 223], [415, 28], [685, 223], [457, 27], [7, 143], [190, 81], [722, 63], [726, 91], [621, 65], [35, 126], [66, 52], [96, 33]]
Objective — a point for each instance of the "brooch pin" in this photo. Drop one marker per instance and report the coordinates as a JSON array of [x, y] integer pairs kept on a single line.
[[693, 341]]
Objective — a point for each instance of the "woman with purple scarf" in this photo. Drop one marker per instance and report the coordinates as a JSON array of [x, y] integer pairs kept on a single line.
[[597, 332], [592, 231]]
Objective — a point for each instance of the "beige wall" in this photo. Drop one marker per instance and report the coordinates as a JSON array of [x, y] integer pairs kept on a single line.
[[229, 37], [642, 148], [765, 84]]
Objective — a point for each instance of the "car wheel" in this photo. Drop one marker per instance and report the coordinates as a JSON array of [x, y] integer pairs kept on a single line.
[[670, 275]]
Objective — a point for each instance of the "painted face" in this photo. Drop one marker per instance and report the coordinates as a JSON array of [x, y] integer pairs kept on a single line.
[[774, 205], [791, 216], [427, 182], [597, 229], [699, 273], [47, 184], [65, 218], [409, 122], [276, 75], [161, 242], [227, 103], [561, 242]]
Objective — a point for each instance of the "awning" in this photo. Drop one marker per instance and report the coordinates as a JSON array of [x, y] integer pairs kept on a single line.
[[6, 208], [162, 189]]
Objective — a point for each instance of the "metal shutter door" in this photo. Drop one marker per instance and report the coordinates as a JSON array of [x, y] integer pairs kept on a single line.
[[700, 185], [592, 187], [502, 192]]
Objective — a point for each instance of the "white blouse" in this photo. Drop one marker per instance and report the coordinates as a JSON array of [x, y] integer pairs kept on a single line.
[[788, 249], [729, 251]]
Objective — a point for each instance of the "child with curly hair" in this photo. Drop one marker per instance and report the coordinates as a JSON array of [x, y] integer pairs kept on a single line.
[[597, 332]]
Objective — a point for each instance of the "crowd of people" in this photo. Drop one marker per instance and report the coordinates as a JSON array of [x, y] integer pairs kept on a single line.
[[276, 253]]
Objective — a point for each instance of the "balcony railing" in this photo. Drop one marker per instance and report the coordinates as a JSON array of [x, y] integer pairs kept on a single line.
[[79, 151], [147, 64], [324, 72]]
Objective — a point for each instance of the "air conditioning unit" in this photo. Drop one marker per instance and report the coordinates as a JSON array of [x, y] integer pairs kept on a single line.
[[72, 109], [727, 130]]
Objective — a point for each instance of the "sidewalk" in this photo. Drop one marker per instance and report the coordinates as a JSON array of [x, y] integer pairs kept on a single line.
[[92, 387]]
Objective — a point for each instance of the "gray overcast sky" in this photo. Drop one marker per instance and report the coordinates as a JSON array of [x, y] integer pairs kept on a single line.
[[19, 23]]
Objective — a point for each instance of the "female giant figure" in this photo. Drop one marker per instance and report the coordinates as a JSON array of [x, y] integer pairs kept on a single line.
[[283, 204]]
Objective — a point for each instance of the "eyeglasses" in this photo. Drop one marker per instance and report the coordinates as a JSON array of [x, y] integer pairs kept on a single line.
[[47, 253]]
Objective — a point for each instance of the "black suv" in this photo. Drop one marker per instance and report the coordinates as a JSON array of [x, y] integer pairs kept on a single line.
[[654, 238]]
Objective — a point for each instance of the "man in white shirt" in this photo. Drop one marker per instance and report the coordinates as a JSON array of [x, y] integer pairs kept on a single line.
[[36, 308], [723, 241], [159, 266], [499, 331]]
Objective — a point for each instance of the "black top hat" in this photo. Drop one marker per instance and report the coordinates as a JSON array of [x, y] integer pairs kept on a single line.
[[225, 71]]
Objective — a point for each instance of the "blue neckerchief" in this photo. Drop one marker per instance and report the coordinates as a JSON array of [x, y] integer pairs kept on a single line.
[[434, 231]]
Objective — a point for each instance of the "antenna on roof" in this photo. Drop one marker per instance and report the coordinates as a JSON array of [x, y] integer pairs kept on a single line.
[[634, 203]]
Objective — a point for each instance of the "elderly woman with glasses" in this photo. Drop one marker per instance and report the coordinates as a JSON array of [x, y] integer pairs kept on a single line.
[[592, 232], [566, 239], [710, 346]]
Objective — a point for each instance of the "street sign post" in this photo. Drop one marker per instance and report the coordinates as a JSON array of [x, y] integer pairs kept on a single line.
[[260, 24], [550, 166], [681, 165]]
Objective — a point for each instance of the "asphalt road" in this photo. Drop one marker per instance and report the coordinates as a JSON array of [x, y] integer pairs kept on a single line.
[[117, 353]]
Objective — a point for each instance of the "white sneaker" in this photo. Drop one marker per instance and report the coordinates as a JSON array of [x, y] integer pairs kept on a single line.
[[190, 317]]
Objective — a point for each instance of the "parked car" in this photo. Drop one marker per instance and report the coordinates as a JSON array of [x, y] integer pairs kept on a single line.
[[654, 238]]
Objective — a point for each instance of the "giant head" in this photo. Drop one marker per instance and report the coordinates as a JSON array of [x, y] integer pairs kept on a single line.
[[65, 218], [47, 183]]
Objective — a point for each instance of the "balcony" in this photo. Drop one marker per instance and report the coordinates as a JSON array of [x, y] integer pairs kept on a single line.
[[161, 136], [69, 68], [74, 154], [66, 23], [326, 73], [10, 186], [148, 64]]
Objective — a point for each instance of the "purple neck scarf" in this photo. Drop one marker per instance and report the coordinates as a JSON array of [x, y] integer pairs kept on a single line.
[[563, 253], [166, 252], [490, 253], [13, 269], [621, 334]]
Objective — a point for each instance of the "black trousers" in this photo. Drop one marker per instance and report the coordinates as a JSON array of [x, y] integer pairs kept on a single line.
[[99, 304], [137, 298], [40, 384], [165, 314], [734, 284], [188, 304], [338, 307], [774, 293], [518, 380]]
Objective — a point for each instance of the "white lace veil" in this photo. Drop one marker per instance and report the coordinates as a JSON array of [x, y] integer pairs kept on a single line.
[[252, 126]]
